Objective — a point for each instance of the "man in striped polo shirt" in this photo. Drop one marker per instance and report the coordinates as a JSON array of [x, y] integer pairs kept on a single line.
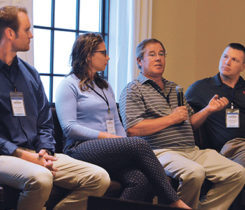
[[149, 108]]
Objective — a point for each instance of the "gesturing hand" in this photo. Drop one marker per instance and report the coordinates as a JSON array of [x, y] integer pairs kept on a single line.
[[217, 104]]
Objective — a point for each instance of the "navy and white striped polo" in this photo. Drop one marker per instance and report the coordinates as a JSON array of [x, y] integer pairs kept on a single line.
[[143, 99]]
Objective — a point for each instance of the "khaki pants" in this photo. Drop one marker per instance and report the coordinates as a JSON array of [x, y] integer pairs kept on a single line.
[[35, 181], [192, 166], [235, 150]]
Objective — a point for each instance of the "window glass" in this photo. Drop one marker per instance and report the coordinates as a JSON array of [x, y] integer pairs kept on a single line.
[[42, 50], [56, 25], [42, 12], [90, 10], [56, 82], [63, 42], [65, 14], [46, 84]]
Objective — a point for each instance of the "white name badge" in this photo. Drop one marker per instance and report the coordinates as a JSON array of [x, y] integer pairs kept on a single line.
[[232, 118], [17, 103], [110, 126]]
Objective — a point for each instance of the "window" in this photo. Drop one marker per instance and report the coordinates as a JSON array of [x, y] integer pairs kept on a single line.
[[57, 23]]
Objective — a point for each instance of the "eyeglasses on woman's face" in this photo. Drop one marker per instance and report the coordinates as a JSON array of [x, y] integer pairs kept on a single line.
[[103, 52]]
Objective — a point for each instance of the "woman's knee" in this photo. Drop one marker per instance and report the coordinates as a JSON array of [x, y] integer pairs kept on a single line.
[[140, 143]]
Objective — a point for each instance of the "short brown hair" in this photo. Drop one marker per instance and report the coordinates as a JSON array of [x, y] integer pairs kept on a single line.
[[238, 46], [9, 18]]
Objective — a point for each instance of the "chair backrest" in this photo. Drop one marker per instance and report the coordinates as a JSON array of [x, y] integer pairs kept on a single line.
[[201, 138], [58, 133]]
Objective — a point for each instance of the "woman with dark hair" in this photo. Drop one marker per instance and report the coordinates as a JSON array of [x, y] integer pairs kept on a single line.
[[88, 115]]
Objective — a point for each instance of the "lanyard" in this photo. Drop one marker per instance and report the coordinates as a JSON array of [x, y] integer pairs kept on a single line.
[[103, 97], [233, 97], [161, 93], [166, 97], [157, 88]]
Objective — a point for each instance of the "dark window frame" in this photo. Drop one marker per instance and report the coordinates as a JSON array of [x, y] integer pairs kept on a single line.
[[104, 32]]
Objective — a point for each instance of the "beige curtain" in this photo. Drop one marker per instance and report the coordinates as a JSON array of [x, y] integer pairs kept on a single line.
[[130, 23]]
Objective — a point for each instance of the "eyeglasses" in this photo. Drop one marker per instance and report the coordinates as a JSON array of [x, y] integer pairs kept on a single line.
[[104, 52]]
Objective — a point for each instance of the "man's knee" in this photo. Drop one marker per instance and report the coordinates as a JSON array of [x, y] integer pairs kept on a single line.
[[103, 181], [98, 180], [41, 182], [239, 161], [239, 158], [239, 173], [194, 176], [233, 171]]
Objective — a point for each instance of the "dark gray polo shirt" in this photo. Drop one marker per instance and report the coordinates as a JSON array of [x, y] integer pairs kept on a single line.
[[143, 99]]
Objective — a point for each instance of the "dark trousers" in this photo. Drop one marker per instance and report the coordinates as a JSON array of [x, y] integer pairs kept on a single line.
[[129, 160]]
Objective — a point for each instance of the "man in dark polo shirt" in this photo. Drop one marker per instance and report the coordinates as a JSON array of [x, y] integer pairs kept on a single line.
[[225, 129], [149, 108]]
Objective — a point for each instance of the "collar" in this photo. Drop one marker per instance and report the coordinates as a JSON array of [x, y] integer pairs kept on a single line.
[[3, 65], [143, 79], [217, 80], [167, 85], [6, 66]]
